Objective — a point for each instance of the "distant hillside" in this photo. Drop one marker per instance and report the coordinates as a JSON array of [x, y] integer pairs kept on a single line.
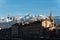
[[6, 24], [57, 19]]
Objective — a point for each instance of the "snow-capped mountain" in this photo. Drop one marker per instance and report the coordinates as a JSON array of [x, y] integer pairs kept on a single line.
[[28, 18], [43, 17], [9, 21]]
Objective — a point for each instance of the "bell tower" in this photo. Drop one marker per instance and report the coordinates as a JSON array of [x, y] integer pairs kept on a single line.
[[51, 18]]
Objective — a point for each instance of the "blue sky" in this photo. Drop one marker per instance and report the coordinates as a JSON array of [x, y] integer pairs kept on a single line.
[[34, 7]]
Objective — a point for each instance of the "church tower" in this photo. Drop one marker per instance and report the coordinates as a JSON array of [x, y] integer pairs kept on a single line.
[[51, 18]]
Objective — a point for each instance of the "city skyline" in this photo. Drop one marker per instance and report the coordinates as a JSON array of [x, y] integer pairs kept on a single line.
[[34, 7]]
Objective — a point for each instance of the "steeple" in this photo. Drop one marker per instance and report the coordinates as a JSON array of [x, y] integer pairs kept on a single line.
[[50, 13], [51, 16]]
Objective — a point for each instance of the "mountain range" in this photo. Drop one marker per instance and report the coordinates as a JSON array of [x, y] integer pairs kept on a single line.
[[28, 18]]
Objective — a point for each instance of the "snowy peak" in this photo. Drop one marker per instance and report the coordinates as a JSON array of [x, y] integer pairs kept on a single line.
[[43, 17]]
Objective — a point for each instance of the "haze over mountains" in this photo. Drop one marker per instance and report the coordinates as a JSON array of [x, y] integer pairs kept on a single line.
[[9, 21]]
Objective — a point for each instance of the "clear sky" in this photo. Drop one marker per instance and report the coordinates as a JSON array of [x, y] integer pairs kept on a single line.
[[34, 7]]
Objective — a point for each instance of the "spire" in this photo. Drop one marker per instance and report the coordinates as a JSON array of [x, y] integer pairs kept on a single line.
[[50, 13], [51, 16]]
